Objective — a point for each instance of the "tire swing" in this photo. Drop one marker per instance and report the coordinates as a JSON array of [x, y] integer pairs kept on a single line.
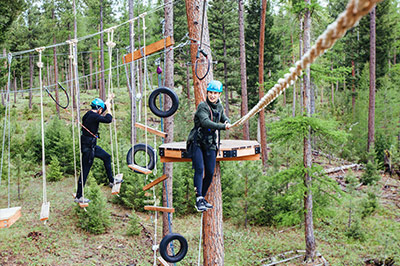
[[164, 247], [141, 147], [153, 106]]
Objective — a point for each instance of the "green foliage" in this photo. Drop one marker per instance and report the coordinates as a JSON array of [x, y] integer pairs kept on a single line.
[[371, 174], [55, 173], [96, 218], [133, 225], [356, 231], [369, 204]]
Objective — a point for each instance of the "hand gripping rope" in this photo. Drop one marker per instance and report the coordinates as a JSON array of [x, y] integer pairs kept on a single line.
[[355, 10]]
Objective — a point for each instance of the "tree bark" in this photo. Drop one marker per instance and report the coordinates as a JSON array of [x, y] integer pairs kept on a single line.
[[307, 161], [353, 89], [263, 131], [102, 92], [294, 84], [15, 88], [169, 121], [31, 69], [244, 105], [91, 71], [372, 84]]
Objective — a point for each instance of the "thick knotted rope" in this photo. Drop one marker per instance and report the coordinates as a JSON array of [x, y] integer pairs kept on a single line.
[[355, 10]]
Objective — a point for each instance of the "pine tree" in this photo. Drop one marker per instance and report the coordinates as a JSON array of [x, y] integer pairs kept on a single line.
[[55, 173]]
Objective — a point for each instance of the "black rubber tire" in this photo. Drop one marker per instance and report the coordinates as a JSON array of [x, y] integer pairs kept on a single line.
[[142, 147], [153, 106], [164, 245]]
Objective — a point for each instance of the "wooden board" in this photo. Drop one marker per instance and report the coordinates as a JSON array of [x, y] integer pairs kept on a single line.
[[162, 261], [155, 182], [140, 169], [150, 49], [83, 205], [151, 130], [9, 216], [230, 150], [45, 211], [160, 209], [117, 187]]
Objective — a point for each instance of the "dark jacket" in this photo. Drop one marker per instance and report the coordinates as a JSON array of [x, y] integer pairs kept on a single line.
[[206, 124], [91, 121]]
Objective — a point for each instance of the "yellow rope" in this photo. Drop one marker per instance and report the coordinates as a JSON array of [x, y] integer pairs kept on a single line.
[[355, 10]]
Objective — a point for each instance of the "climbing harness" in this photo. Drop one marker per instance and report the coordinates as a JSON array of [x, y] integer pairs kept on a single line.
[[200, 50], [66, 94]]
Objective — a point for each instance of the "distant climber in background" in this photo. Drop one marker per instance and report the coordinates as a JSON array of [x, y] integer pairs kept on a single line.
[[202, 144]]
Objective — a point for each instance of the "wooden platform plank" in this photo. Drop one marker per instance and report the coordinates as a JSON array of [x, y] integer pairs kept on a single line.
[[9, 216], [151, 130], [162, 261], [160, 209], [140, 169], [254, 157], [155, 182], [150, 49]]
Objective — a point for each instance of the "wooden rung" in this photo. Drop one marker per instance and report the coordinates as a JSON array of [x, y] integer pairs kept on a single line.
[[162, 261], [83, 205], [151, 130], [140, 169], [45, 212], [150, 49], [155, 182], [9, 216], [159, 209]]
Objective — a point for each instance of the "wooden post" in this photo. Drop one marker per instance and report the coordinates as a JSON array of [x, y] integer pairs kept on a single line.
[[213, 239]]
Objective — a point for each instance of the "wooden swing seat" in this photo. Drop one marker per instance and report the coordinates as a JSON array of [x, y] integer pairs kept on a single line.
[[230, 150], [9, 216], [162, 261], [82, 205], [116, 188], [44, 213], [159, 209], [140, 169], [151, 130], [155, 182]]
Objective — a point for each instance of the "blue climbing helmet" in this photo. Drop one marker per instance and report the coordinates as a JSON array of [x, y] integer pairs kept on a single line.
[[97, 103], [214, 85]]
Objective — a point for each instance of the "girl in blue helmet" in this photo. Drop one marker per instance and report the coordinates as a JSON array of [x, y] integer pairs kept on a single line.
[[100, 113], [202, 141]]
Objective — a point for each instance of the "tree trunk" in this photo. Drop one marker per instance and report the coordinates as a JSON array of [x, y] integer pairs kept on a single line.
[[308, 202], [300, 55], [102, 92], [55, 64], [187, 82], [263, 132], [22, 86], [372, 62], [15, 88], [244, 105], [91, 71], [332, 89], [213, 241], [294, 84], [353, 89], [169, 121]]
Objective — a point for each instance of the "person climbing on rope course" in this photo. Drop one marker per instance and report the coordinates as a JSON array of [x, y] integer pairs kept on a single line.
[[202, 144], [89, 147]]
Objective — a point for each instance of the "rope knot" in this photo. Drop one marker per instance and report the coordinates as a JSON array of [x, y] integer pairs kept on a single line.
[[110, 44], [40, 49], [39, 64]]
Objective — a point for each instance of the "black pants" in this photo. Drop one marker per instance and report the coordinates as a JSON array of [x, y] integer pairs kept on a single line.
[[203, 162], [88, 155]]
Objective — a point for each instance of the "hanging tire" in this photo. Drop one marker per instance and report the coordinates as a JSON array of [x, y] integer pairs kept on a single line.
[[153, 106], [130, 158], [164, 246]]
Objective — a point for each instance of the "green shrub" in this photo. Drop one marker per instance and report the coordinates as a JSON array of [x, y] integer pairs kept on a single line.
[[369, 204], [133, 226], [55, 173], [371, 174], [96, 218], [355, 232]]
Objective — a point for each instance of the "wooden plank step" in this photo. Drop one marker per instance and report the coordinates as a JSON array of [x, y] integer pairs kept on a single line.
[[9, 216], [45, 211], [151, 130], [140, 169], [162, 261], [150, 49], [160, 209], [83, 205], [155, 182], [117, 187]]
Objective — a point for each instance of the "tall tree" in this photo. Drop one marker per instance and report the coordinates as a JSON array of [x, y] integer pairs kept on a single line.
[[372, 62]]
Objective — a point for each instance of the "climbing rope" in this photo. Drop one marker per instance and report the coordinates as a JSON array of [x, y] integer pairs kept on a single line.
[[200, 50], [40, 66], [66, 94], [355, 10], [145, 79]]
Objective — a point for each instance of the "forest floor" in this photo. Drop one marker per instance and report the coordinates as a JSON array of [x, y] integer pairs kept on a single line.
[[60, 242]]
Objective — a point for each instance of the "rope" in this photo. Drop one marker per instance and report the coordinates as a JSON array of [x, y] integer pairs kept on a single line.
[[145, 80], [133, 89], [40, 66], [201, 51], [355, 10], [201, 231]]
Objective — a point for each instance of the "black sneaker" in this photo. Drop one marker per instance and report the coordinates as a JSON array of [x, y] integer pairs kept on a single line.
[[81, 200], [208, 205], [200, 207]]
